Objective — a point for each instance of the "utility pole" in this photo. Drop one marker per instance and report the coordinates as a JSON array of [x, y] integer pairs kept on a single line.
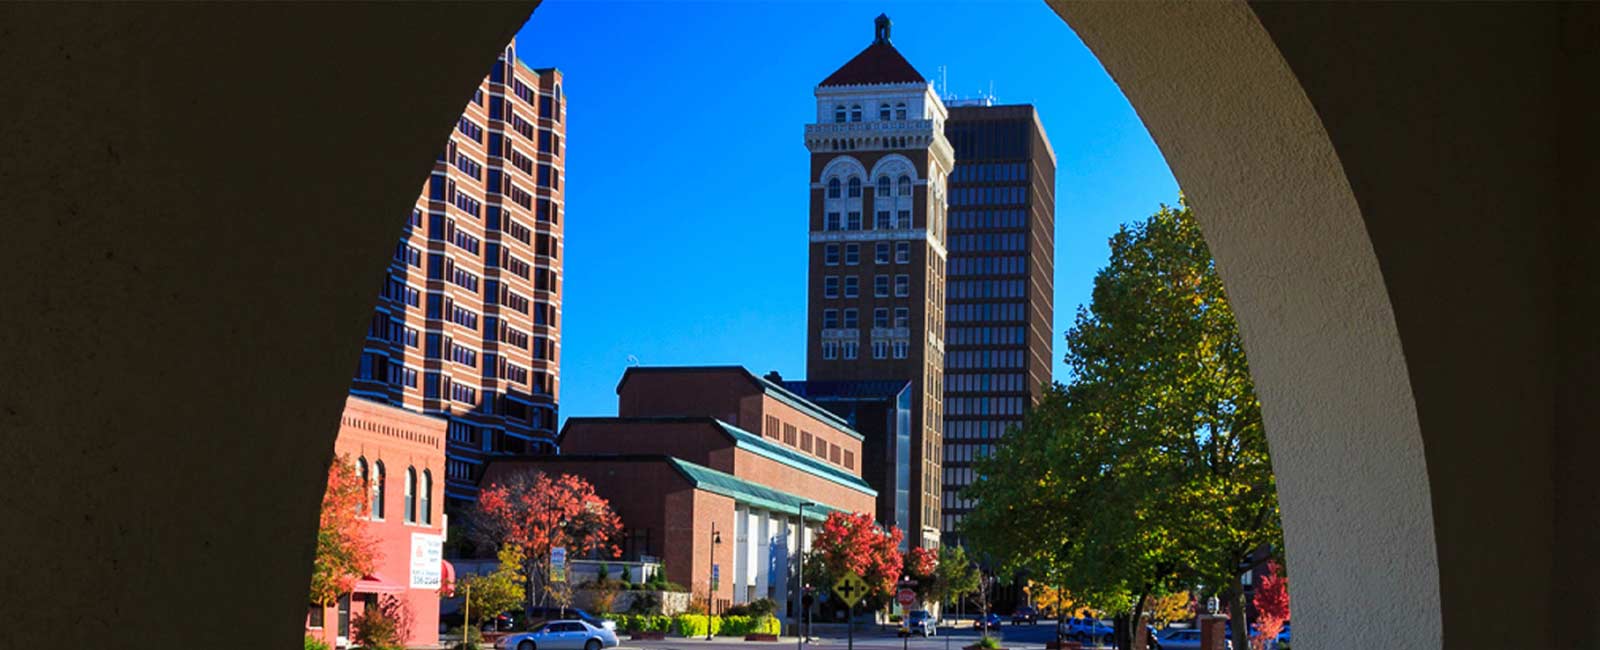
[[800, 579], [711, 591]]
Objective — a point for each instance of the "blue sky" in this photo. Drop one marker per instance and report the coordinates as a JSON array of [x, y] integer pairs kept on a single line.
[[687, 176]]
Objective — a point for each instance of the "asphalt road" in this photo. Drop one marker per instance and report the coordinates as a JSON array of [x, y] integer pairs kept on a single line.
[[1022, 637]]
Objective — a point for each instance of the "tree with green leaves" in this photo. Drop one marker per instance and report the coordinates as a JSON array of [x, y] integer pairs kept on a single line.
[[955, 577], [490, 594], [1149, 473]]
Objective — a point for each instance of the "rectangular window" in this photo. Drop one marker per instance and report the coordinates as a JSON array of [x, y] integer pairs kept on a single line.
[[850, 349], [831, 222], [788, 434], [772, 426], [830, 286], [850, 456], [881, 253], [830, 254], [902, 317], [852, 254], [880, 286], [880, 317], [806, 439], [903, 219], [902, 285], [902, 252], [900, 349], [830, 350], [880, 349], [853, 221], [830, 318], [852, 286], [883, 222], [850, 318]]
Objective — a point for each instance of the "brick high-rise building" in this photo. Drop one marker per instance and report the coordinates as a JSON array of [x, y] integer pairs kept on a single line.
[[1000, 295], [879, 159], [468, 323]]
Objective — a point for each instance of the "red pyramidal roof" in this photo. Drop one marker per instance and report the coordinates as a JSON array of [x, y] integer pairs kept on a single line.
[[880, 63]]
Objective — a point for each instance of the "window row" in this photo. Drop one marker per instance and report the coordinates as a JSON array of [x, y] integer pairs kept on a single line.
[[851, 188], [953, 499], [986, 335], [987, 311], [998, 382], [852, 286], [418, 491], [985, 359], [376, 366], [989, 172], [880, 318], [397, 290], [988, 289], [983, 406], [1015, 195], [442, 267], [1013, 242], [881, 349], [389, 329], [965, 453], [437, 386], [408, 255], [959, 475], [1008, 265], [854, 113], [975, 219], [978, 429]]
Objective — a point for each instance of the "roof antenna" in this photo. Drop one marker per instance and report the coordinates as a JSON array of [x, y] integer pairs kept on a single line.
[[633, 361]]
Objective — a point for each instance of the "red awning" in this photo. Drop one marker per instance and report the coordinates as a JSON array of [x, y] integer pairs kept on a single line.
[[373, 583], [447, 578]]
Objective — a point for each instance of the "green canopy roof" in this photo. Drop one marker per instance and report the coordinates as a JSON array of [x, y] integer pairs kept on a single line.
[[742, 491]]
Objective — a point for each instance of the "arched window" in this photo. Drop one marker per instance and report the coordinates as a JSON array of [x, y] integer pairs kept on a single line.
[[361, 473], [905, 186], [900, 111], [411, 495], [838, 114], [883, 112], [855, 187], [855, 113], [883, 186], [833, 188], [377, 489], [427, 497]]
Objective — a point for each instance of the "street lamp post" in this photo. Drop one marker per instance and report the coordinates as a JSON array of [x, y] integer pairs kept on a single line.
[[800, 582], [711, 591]]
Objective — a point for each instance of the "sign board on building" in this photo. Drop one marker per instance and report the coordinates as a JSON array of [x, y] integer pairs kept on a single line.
[[558, 564], [427, 560]]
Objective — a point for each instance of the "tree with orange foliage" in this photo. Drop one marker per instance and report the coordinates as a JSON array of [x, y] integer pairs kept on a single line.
[[1272, 606], [854, 542], [921, 565], [534, 512], [345, 550]]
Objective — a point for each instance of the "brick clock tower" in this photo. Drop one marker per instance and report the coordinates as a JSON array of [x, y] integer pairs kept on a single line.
[[879, 160]]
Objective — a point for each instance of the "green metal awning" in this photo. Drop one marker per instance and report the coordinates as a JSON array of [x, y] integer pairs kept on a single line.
[[742, 491]]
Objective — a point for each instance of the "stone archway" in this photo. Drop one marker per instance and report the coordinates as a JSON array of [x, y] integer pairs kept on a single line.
[[182, 309]]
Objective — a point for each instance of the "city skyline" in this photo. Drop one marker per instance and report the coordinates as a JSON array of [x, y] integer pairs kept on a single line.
[[738, 301]]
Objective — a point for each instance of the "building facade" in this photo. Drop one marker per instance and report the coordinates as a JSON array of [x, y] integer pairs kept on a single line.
[[1000, 293], [468, 322], [879, 160], [681, 473], [400, 456]]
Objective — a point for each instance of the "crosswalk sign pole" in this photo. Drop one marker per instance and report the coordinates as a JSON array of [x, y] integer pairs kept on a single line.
[[850, 626]]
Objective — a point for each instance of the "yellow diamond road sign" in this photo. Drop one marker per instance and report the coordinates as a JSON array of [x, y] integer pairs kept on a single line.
[[851, 589]]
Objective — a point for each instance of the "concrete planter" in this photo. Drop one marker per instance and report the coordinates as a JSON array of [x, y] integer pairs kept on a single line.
[[646, 636], [770, 638]]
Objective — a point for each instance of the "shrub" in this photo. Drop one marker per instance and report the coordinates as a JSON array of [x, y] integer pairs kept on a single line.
[[692, 625], [645, 603], [988, 643], [763, 607], [313, 643], [745, 625], [470, 638], [374, 631]]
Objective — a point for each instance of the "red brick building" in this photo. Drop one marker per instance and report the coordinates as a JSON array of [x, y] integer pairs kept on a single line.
[[468, 322], [685, 455], [879, 160], [400, 456]]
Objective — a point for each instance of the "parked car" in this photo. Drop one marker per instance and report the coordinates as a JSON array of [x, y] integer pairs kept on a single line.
[[538, 614], [1186, 639], [1087, 629], [1024, 614], [918, 622], [572, 634], [990, 620]]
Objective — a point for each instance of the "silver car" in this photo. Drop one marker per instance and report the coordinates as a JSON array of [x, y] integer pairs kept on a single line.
[[1185, 639], [560, 635]]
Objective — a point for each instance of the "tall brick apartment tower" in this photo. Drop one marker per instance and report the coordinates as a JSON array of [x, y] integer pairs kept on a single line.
[[1000, 301], [879, 159], [468, 323]]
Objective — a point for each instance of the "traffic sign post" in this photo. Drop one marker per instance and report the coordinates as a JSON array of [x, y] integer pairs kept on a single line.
[[905, 597], [851, 589]]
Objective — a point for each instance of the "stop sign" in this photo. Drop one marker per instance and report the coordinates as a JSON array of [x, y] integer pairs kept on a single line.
[[906, 597]]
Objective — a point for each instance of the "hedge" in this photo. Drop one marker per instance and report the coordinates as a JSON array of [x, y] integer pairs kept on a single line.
[[692, 625]]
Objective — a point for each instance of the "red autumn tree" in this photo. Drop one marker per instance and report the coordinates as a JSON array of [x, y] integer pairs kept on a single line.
[[535, 513], [855, 543], [1272, 606], [921, 565], [345, 550]]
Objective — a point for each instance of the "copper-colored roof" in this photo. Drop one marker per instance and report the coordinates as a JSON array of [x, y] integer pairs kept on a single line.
[[880, 63]]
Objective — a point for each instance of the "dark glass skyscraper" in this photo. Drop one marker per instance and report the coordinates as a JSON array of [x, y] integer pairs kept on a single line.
[[999, 298]]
